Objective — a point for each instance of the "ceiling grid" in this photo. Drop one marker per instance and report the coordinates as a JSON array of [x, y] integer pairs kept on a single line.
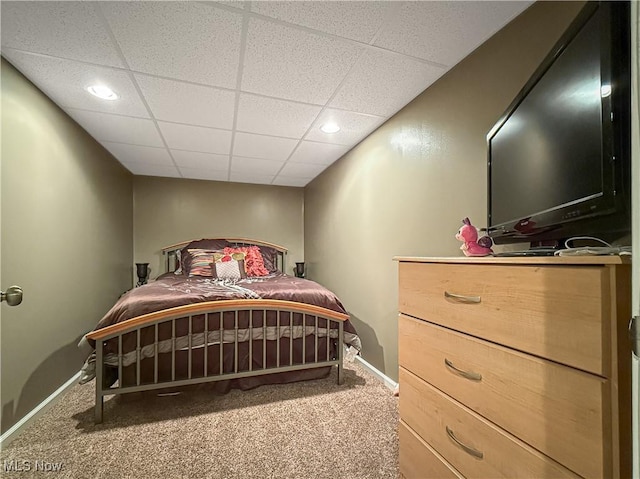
[[238, 91]]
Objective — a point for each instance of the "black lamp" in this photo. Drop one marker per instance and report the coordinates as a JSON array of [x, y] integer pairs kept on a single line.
[[142, 270], [300, 270]]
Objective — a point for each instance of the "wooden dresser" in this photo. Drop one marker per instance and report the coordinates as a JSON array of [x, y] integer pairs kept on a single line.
[[515, 367]]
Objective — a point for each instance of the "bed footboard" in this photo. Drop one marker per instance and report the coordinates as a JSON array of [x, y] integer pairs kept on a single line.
[[214, 341]]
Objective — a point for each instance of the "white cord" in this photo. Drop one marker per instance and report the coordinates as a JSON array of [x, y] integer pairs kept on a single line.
[[592, 250], [592, 238]]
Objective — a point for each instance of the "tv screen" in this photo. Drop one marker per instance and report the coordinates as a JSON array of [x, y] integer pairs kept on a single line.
[[558, 159]]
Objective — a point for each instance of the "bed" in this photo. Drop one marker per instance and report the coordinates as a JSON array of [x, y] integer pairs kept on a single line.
[[225, 313]]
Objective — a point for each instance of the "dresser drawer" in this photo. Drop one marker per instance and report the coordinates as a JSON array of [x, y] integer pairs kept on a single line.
[[556, 409], [483, 449], [418, 460], [550, 311]]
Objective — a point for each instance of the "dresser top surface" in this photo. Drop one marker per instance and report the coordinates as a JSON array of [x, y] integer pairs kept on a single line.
[[550, 260]]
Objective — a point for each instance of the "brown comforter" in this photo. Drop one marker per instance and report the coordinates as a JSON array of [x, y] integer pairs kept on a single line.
[[171, 290]]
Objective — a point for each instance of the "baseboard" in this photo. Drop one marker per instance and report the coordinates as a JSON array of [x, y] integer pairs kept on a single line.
[[390, 383], [36, 412]]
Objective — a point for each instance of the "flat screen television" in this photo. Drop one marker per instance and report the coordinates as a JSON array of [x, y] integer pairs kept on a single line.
[[559, 157]]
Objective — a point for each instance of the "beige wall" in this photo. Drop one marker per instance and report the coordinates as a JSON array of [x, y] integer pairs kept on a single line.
[[169, 211], [405, 189], [66, 239]]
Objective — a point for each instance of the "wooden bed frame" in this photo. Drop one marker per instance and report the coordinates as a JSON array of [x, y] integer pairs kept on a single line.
[[322, 322]]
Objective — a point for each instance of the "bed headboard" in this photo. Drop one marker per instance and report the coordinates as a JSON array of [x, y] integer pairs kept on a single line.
[[170, 252]]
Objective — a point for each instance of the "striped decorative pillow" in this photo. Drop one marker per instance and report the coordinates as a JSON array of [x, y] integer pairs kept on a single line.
[[202, 244], [201, 260]]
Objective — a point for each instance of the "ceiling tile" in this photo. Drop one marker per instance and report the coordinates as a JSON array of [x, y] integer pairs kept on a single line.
[[257, 114], [289, 181], [138, 154], [185, 40], [302, 170], [353, 127], [318, 153], [265, 147], [186, 103], [454, 29], [251, 178], [64, 29], [196, 138], [296, 65], [201, 161], [149, 169], [66, 82], [198, 174], [255, 166], [120, 129], [382, 83], [356, 20]]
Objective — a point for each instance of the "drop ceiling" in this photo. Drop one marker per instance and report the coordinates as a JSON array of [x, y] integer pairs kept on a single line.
[[238, 91]]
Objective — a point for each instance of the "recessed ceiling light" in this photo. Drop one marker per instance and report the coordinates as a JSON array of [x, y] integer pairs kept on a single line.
[[330, 128], [102, 92]]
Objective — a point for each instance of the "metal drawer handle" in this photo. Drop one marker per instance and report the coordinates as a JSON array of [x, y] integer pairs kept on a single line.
[[461, 298], [464, 374], [465, 448]]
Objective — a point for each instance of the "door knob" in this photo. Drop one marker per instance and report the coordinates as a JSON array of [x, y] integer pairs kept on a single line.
[[13, 296]]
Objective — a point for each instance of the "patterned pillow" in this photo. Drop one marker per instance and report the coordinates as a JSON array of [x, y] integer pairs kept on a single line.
[[228, 256], [202, 244], [253, 261], [200, 259], [229, 269]]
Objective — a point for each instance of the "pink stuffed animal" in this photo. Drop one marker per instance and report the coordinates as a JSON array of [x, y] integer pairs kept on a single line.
[[473, 246]]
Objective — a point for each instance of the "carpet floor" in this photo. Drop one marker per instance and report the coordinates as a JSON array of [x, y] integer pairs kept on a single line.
[[311, 429]]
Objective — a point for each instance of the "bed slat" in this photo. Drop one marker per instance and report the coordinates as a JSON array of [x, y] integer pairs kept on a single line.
[[291, 321], [278, 342], [190, 361], [250, 340], [173, 350], [205, 373], [264, 339], [120, 356], [155, 358], [235, 343], [221, 341], [304, 339], [138, 352]]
